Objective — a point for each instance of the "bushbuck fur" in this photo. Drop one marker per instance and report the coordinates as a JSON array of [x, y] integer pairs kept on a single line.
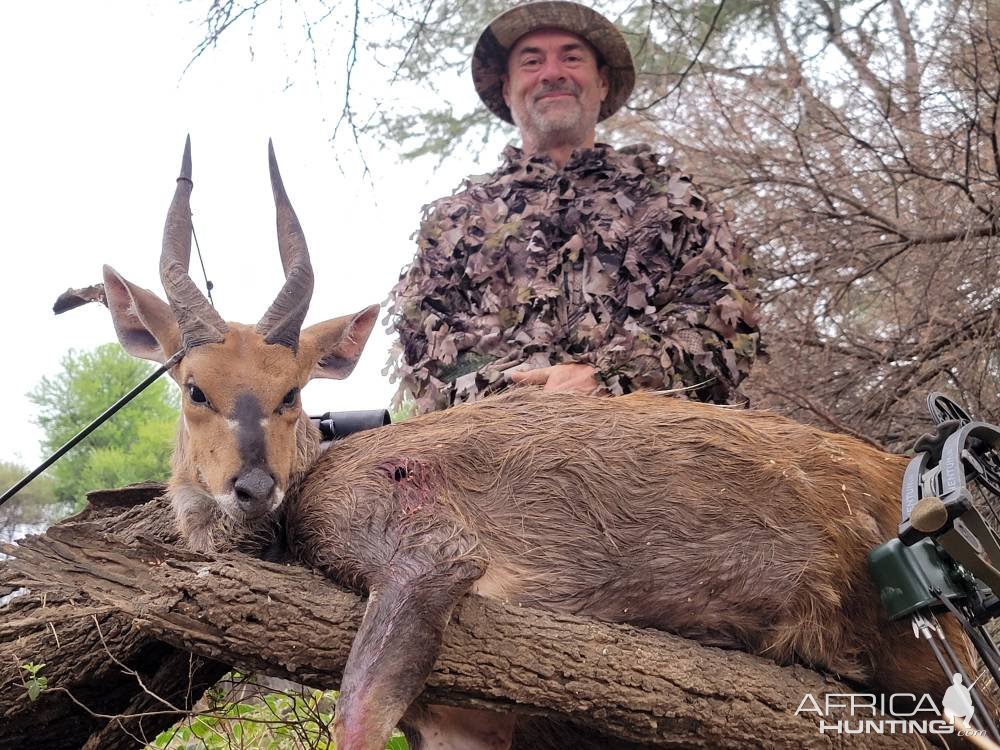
[[736, 528]]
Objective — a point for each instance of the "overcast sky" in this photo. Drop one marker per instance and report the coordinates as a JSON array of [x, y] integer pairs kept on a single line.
[[96, 105]]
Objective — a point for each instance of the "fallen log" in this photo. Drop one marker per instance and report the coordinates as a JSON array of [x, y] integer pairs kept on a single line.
[[93, 654], [149, 603]]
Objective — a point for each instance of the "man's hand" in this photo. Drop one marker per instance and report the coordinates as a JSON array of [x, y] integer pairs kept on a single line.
[[579, 378]]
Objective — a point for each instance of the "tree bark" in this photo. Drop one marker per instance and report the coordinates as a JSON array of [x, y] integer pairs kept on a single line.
[[112, 583], [92, 653]]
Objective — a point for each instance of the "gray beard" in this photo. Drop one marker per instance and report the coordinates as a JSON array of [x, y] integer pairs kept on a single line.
[[554, 129], [566, 121]]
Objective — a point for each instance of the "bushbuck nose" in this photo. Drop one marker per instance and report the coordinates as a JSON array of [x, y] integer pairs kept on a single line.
[[255, 485]]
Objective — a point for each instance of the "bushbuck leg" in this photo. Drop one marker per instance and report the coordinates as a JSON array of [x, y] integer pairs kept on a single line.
[[412, 593]]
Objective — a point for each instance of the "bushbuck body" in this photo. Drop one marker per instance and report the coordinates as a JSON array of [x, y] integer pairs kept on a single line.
[[736, 528]]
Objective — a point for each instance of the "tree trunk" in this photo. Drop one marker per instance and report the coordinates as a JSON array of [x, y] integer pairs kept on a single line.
[[111, 585]]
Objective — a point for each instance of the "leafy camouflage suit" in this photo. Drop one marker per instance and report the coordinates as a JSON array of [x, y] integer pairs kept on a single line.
[[615, 260]]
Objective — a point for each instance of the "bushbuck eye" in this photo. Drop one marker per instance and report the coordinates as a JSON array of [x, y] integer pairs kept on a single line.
[[289, 399], [197, 395]]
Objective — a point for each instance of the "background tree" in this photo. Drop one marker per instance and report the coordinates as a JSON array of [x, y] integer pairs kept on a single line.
[[133, 446], [34, 507], [857, 144]]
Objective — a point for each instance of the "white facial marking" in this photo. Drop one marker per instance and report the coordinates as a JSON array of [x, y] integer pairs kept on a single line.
[[277, 498]]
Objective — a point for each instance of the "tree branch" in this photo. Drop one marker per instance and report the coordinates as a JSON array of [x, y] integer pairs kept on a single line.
[[634, 686]]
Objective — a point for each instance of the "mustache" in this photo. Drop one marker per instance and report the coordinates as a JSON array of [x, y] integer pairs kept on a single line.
[[563, 87]]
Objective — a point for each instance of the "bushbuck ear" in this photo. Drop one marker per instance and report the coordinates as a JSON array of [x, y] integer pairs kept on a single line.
[[335, 345], [145, 324]]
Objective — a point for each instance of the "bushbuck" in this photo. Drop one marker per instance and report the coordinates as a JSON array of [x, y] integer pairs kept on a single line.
[[736, 528]]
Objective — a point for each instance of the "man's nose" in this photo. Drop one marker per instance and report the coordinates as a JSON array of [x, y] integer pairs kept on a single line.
[[552, 71]]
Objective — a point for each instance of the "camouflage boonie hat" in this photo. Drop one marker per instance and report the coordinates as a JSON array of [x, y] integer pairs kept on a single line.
[[489, 61]]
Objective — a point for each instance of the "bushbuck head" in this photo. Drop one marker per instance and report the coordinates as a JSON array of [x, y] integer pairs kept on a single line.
[[242, 436]]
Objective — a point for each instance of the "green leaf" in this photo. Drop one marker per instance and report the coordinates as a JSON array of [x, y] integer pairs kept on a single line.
[[201, 728], [134, 445], [31, 668]]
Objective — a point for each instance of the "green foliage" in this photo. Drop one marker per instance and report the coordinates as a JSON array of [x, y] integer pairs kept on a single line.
[[273, 721], [34, 506], [406, 410], [134, 445], [35, 683], [36, 495]]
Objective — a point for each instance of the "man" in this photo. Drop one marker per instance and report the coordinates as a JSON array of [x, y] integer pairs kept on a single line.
[[573, 266]]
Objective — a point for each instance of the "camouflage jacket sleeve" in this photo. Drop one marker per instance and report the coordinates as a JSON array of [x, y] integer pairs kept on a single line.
[[429, 309]]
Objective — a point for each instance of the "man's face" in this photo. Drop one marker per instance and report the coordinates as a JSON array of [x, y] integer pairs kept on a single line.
[[554, 87]]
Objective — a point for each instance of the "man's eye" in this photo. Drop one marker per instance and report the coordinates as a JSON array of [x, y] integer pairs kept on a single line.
[[196, 394], [289, 399]]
